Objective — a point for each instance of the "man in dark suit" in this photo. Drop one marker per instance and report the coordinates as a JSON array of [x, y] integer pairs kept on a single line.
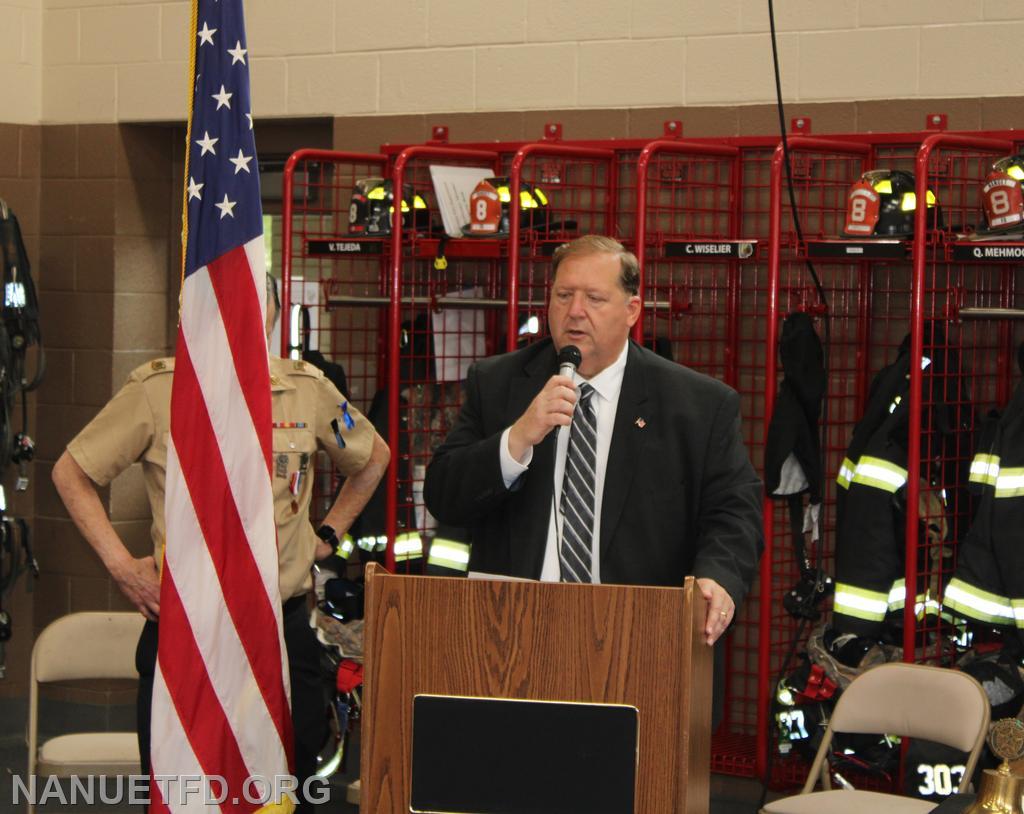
[[659, 484]]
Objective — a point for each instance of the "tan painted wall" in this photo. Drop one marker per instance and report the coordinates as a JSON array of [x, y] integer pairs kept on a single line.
[[21, 61], [124, 60]]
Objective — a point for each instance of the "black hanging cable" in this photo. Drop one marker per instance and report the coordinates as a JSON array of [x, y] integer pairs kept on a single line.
[[826, 312], [826, 321]]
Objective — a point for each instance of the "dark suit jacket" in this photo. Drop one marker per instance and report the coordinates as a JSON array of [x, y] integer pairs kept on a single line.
[[680, 495]]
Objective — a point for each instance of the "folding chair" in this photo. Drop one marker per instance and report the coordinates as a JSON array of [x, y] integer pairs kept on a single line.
[[83, 645], [909, 700]]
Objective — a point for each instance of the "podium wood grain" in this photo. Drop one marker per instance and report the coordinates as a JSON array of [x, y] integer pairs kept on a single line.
[[619, 644]]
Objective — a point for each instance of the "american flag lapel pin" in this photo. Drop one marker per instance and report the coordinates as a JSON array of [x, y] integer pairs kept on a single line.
[[640, 423]]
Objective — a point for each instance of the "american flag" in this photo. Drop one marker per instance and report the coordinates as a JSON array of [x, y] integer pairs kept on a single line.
[[220, 700]]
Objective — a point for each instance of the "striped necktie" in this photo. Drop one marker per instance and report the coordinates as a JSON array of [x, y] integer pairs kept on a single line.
[[577, 506]]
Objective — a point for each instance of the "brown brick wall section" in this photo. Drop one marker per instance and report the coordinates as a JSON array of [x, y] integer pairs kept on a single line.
[[106, 191], [76, 285]]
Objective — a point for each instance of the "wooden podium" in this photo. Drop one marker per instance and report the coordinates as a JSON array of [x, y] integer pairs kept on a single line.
[[604, 644]]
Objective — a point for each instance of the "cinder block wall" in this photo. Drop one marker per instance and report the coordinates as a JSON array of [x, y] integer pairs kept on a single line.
[[124, 60], [21, 62]]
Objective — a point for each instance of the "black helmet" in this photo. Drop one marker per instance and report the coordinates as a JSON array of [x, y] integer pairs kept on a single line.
[[343, 599], [1001, 196], [373, 204], [801, 708], [882, 204]]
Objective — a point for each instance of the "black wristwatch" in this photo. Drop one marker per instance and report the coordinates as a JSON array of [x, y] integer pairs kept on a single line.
[[329, 536]]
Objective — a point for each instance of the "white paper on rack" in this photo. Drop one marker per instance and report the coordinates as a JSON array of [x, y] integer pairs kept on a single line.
[[452, 188], [459, 338]]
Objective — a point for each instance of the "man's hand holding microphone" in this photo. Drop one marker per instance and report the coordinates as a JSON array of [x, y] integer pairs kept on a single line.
[[552, 407]]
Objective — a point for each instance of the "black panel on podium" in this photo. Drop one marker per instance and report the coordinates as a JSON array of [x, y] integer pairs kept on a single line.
[[499, 756]]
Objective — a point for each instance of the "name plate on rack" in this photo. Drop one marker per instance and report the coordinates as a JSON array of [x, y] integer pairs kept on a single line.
[[993, 252], [340, 246], [858, 249], [711, 249], [498, 755]]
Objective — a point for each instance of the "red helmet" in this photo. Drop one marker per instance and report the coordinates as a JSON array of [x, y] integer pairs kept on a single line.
[[490, 203], [882, 204], [484, 210], [1001, 196]]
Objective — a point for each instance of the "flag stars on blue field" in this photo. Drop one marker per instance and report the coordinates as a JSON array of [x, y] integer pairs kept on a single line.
[[222, 188]]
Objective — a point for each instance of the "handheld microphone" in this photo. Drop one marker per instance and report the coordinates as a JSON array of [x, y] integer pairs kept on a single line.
[[569, 359]]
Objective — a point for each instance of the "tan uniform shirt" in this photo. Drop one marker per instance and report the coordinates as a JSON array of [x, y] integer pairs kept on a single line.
[[134, 426]]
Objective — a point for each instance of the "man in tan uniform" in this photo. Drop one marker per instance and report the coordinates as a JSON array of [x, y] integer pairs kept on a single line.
[[308, 414]]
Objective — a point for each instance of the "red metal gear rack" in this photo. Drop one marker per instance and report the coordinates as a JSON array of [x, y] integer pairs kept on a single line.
[[953, 167], [580, 184], [693, 259], [418, 286], [875, 302], [319, 251], [823, 171]]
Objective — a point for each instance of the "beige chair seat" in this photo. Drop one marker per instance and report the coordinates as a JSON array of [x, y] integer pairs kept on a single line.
[[848, 802], [90, 753]]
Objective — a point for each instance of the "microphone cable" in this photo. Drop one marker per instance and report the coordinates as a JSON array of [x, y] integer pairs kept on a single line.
[[827, 344]]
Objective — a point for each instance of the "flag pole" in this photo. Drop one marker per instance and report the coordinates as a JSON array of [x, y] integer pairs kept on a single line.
[[193, 29]]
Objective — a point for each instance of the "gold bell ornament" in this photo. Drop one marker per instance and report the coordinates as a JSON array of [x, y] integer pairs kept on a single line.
[[1001, 791]]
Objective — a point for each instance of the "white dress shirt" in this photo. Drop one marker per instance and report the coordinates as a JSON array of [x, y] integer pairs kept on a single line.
[[607, 385]]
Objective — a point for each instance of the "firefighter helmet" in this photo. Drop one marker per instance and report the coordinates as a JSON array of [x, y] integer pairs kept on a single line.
[[372, 207], [489, 206], [882, 204], [343, 599], [801, 716], [1001, 196], [801, 708]]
